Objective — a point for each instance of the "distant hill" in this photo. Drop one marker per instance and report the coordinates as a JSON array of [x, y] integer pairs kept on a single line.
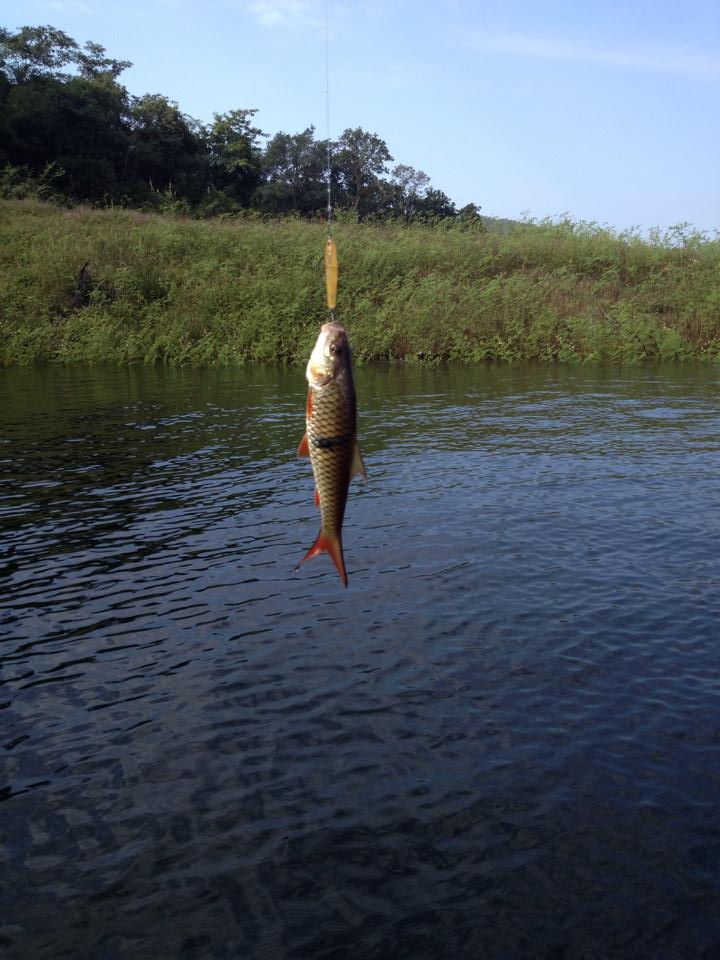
[[500, 224]]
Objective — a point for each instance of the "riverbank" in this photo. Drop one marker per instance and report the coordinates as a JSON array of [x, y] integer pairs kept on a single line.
[[122, 286]]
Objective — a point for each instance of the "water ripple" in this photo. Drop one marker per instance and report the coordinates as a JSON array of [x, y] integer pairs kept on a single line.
[[503, 739]]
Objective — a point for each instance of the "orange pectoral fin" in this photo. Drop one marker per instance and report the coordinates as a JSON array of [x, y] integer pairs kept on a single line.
[[309, 405], [331, 545], [317, 498], [304, 448]]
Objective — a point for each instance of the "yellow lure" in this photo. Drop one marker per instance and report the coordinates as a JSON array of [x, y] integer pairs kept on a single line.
[[331, 272]]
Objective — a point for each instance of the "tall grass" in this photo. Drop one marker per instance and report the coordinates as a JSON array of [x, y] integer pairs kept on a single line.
[[163, 288]]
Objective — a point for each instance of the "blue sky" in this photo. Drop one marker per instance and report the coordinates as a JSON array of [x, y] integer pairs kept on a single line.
[[606, 110]]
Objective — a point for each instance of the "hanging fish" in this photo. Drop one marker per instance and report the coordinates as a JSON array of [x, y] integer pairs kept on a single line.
[[331, 437]]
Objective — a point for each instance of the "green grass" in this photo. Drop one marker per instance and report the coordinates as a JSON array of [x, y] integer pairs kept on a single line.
[[182, 291]]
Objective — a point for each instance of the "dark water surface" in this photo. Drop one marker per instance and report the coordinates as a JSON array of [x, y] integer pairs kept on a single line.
[[502, 740]]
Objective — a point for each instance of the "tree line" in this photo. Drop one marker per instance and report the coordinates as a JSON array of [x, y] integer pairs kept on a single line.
[[69, 129]]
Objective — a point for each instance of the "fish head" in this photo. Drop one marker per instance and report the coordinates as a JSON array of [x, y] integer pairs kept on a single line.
[[331, 355]]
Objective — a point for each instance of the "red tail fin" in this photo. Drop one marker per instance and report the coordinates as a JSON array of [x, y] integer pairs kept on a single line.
[[333, 546]]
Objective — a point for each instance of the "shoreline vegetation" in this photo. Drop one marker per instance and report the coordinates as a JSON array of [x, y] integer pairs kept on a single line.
[[124, 286]]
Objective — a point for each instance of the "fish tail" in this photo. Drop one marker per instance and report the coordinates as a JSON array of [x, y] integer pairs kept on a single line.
[[333, 546]]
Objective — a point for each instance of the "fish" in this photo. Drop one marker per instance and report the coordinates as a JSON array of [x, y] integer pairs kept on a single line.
[[330, 438]]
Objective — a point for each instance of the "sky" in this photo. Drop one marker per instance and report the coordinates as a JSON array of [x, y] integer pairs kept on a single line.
[[608, 111]]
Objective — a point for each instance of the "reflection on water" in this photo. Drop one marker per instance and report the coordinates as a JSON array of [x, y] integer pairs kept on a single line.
[[502, 740]]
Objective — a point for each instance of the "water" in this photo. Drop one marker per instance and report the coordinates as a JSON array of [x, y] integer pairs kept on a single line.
[[502, 740]]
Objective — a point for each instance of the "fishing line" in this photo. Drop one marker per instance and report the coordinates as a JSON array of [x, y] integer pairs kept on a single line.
[[331, 264], [328, 169]]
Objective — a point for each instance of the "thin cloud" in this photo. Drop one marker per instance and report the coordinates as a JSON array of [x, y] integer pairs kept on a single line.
[[696, 66], [287, 14]]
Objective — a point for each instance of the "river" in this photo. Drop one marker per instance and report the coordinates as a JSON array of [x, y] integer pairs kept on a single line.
[[502, 740]]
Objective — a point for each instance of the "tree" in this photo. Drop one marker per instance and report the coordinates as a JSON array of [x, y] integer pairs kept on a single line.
[[435, 205], [470, 216], [233, 153], [35, 52], [165, 149], [360, 162], [411, 186], [94, 65], [294, 174], [74, 124], [78, 125], [66, 120]]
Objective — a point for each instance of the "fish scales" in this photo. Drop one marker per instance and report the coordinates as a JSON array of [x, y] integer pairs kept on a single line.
[[331, 435]]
